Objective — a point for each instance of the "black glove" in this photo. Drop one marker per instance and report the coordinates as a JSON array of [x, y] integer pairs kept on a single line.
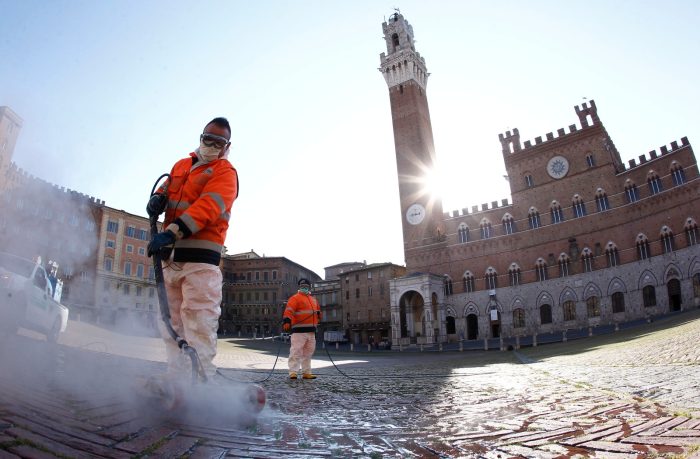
[[160, 241], [157, 204]]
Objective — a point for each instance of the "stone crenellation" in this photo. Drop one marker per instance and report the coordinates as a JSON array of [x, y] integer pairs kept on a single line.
[[643, 159], [475, 209], [21, 174], [510, 140]]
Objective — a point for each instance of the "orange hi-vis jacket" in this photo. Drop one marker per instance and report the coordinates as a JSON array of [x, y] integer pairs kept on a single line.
[[303, 312], [200, 196]]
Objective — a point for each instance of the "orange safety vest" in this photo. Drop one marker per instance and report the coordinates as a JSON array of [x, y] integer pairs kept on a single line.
[[303, 312], [200, 197]]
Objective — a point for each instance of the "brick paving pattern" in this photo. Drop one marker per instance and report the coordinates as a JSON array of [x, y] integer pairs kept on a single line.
[[629, 398]]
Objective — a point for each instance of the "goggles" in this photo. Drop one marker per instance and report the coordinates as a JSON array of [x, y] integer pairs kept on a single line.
[[211, 140]]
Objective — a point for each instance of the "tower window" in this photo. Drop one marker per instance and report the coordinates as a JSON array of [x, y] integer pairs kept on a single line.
[[691, 232], [463, 233], [612, 255], [468, 282], [514, 275], [485, 228], [529, 182], [643, 250], [590, 160], [667, 242], [631, 193], [587, 260], [579, 207], [555, 211], [677, 174], [395, 41], [508, 224], [541, 270], [533, 218], [654, 183], [601, 200], [447, 285]]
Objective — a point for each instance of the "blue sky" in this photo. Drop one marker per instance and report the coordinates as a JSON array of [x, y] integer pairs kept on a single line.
[[112, 93]]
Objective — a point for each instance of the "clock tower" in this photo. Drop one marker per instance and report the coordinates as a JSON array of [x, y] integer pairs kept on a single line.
[[406, 75]]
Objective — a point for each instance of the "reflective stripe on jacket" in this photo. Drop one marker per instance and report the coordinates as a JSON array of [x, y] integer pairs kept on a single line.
[[303, 312], [200, 197]]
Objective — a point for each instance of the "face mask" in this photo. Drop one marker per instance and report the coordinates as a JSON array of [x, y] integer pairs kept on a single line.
[[208, 154], [304, 290]]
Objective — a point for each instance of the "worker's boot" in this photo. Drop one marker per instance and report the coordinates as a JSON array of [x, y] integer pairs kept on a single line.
[[308, 376], [292, 375]]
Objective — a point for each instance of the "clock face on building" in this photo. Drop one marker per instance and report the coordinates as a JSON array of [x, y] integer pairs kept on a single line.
[[415, 214], [558, 167]]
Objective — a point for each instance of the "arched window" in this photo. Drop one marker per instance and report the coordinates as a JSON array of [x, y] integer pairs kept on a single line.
[[667, 242], [649, 296], [587, 260], [643, 250], [631, 191], [564, 265], [468, 282], [508, 224], [463, 233], [601, 200], [593, 306], [618, 302], [541, 270], [612, 255], [590, 160], [569, 310], [556, 213], [514, 274], [519, 318], [654, 183], [696, 285], [545, 314], [579, 206], [691, 232], [485, 228], [447, 285], [395, 40], [677, 173], [491, 279], [533, 218]]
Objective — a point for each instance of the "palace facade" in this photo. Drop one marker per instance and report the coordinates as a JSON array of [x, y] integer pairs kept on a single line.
[[587, 240]]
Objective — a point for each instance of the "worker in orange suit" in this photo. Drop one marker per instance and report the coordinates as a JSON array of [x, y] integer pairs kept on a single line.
[[301, 317], [197, 201]]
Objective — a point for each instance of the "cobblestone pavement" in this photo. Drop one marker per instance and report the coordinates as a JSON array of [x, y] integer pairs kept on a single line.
[[632, 394]]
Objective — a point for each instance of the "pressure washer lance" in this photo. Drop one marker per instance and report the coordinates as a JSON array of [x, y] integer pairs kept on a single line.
[[198, 373]]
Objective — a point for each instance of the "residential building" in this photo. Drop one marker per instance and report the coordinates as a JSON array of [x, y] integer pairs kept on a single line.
[[124, 291], [365, 301], [255, 292]]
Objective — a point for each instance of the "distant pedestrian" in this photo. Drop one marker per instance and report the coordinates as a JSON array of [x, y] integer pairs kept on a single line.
[[301, 317]]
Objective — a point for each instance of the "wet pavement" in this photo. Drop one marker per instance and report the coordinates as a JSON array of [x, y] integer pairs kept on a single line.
[[631, 394]]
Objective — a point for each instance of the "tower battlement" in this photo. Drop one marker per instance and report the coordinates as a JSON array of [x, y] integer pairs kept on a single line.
[[652, 155], [20, 176], [587, 115]]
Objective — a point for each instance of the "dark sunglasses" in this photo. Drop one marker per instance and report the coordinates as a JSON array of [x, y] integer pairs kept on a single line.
[[211, 140]]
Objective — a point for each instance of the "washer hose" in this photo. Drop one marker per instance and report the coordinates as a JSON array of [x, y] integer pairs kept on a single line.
[[198, 373]]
